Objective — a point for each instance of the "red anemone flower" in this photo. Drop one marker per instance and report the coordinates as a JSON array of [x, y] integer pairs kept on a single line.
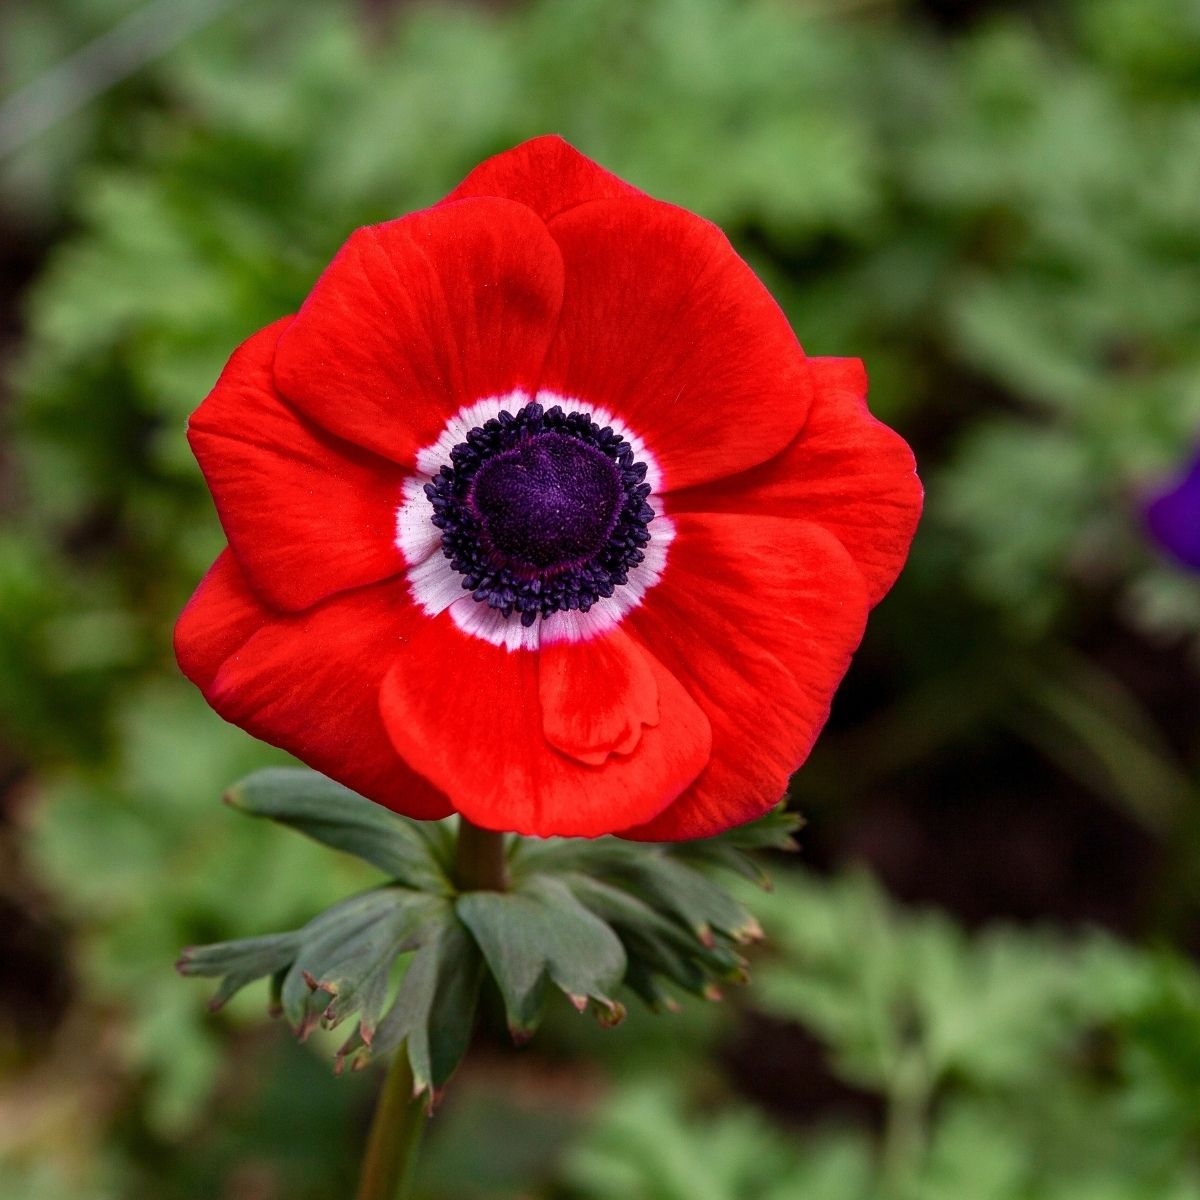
[[538, 512]]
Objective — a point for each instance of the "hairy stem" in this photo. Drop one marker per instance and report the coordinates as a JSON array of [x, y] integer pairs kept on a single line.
[[480, 859], [395, 1134]]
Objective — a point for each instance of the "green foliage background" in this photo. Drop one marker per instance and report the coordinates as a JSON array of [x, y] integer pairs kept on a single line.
[[1002, 217]]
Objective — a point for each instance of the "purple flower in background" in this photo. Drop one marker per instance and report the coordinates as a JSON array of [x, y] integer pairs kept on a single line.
[[1173, 516]]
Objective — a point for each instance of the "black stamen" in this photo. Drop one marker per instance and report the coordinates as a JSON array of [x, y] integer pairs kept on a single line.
[[541, 511]]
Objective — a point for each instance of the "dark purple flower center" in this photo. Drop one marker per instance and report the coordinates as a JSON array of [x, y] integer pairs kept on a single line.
[[542, 511], [546, 505]]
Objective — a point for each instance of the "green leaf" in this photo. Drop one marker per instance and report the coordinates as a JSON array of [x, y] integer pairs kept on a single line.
[[330, 813], [599, 856], [347, 952], [775, 831], [650, 1142], [733, 850], [603, 856], [657, 946], [674, 887], [674, 922], [239, 962], [541, 933], [434, 1009], [884, 987]]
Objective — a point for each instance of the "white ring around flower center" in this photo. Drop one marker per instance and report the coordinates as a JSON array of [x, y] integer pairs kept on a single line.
[[436, 586]]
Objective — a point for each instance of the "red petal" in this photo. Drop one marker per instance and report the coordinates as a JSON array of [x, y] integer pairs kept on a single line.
[[596, 696], [663, 325], [845, 471], [308, 684], [306, 514], [221, 617], [547, 174], [466, 714], [758, 619], [418, 317]]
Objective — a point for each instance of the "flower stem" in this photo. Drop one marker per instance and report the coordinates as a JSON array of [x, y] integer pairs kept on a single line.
[[480, 859], [395, 1133], [904, 1127]]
